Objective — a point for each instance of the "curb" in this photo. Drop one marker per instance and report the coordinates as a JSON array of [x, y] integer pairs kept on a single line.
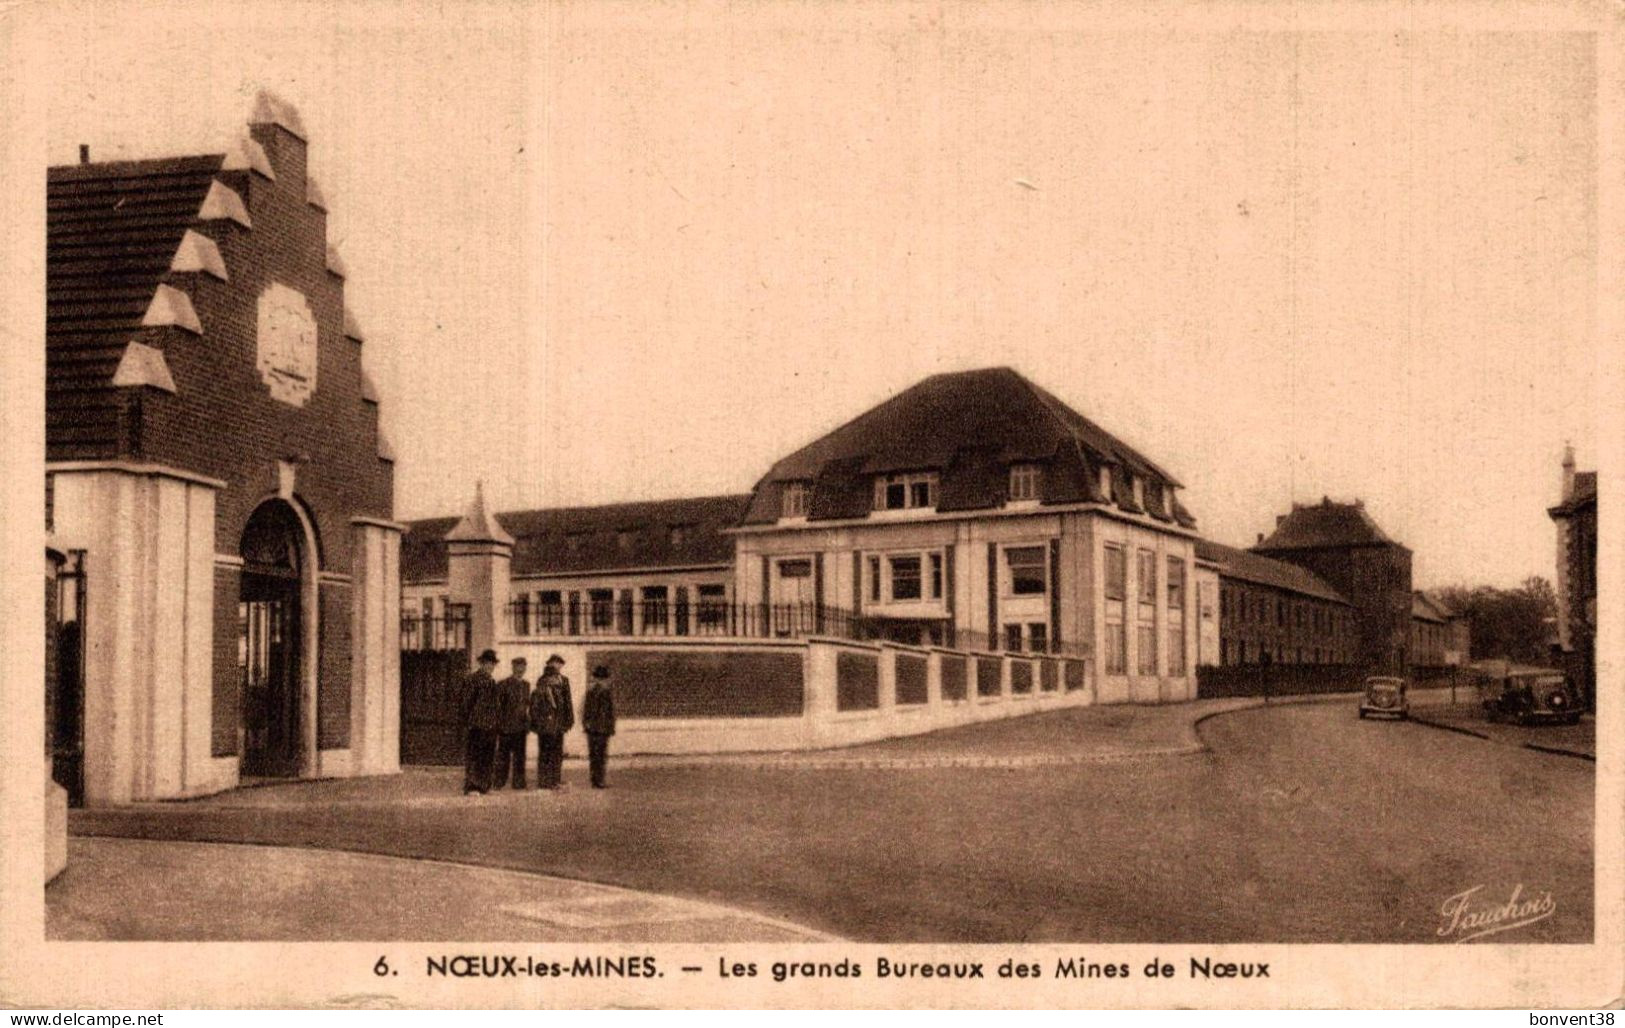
[[1556, 751]]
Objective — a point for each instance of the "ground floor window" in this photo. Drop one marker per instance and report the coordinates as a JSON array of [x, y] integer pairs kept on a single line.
[[1176, 651], [1116, 648], [1147, 639]]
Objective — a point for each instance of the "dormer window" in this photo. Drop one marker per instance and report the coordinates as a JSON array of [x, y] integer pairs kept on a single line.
[[906, 492], [679, 534], [625, 538], [797, 496], [1139, 491], [1024, 480], [1106, 484]]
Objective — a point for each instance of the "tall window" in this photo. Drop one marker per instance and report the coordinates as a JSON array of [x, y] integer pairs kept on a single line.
[[601, 609], [1024, 482], [1116, 587], [549, 611], [796, 495], [1146, 590], [904, 492], [1028, 570], [936, 576], [874, 579], [1176, 583], [654, 609], [1176, 617]]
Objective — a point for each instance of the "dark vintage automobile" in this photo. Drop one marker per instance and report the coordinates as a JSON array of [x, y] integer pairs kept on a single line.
[[1529, 696], [1385, 697]]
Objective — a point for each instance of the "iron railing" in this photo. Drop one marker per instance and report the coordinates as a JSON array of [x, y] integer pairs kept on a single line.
[[720, 619], [435, 632]]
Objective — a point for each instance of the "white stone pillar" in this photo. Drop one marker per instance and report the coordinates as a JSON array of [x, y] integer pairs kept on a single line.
[[148, 536], [375, 657]]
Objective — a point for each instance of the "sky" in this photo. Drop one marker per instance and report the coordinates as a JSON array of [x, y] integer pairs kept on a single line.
[[606, 252]]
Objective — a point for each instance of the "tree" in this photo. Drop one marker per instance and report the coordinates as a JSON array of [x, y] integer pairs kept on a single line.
[[1514, 624]]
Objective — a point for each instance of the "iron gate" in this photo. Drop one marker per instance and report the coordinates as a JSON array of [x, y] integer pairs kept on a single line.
[[434, 666]]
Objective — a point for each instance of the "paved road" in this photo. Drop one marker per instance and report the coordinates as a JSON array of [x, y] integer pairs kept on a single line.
[[1302, 823], [128, 889]]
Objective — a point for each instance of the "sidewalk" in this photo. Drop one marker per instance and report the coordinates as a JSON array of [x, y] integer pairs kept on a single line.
[[133, 889], [1467, 717]]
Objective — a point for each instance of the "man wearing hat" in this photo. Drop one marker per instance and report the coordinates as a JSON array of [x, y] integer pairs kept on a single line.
[[515, 727], [598, 718], [482, 716], [552, 713]]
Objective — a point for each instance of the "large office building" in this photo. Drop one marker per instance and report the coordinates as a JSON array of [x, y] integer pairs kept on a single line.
[[973, 510], [219, 497]]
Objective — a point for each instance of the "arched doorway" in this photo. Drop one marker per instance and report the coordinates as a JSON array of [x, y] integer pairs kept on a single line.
[[269, 644]]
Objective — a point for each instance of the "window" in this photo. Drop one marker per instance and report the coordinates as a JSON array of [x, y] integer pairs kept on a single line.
[[550, 611], [1038, 637], [654, 608], [1147, 664], [905, 578], [1116, 573], [713, 607], [1116, 648], [1028, 570], [625, 538], [521, 614], [1012, 638], [1176, 584], [936, 576], [601, 608], [1024, 482], [1139, 490], [796, 495], [1116, 588], [679, 534], [903, 492], [874, 579], [1176, 651], [1146, 580], [1106, 484], [1280, 612], [801, 568]]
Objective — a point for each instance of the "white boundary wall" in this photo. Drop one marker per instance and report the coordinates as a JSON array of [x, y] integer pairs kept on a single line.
[[822, 724]]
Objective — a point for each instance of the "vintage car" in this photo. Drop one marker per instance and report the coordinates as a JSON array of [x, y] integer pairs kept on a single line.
[[1528, 696], [1385, 696]]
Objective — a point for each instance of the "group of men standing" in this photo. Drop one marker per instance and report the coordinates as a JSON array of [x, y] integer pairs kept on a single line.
[[500, 715]]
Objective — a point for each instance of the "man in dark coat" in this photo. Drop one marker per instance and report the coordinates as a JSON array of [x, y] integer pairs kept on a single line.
[[598, 718], [482, 715], [552, 713], [515, 727]]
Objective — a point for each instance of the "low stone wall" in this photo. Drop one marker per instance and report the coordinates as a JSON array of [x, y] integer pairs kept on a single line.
[[731, 696]]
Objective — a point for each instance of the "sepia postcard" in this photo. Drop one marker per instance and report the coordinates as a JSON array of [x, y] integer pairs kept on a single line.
[[919, 504]]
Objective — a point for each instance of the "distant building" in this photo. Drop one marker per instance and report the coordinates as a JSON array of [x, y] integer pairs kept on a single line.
[[1344, 548], [1440, 637], [1576, 520], [616, 568], [1275, 612]]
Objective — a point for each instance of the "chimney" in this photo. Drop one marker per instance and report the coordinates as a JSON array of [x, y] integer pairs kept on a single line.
[[1261, 535], [1568, 472], [1278, 519], [1325, 501], [84, 153]]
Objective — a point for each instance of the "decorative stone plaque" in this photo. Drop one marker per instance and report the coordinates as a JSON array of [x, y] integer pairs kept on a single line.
[[287, 344]]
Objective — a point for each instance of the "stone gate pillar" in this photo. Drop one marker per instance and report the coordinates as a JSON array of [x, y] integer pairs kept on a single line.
[[479, 553]]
